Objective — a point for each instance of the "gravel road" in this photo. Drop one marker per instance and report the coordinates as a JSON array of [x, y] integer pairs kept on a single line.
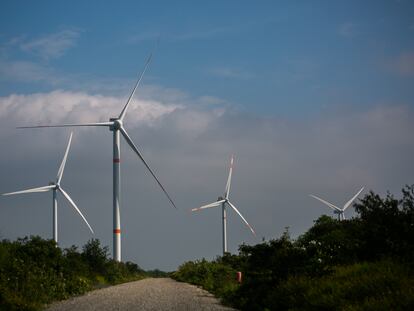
[[147, 294]]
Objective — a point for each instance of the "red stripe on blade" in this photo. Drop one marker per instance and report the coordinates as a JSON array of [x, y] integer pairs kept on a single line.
[[117, 231]]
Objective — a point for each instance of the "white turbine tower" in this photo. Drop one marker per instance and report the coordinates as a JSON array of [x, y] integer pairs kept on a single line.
[[55, 187], [339, 211], [116, 126], [223, 201]]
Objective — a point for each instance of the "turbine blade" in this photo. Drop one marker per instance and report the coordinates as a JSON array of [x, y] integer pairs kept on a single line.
[[347, 204], [227, 192], [32, 190], [132, 145], [214, 204], [67, 125], [62, 165], [245, 221], [75, 207], [334, 207], [123, 112]]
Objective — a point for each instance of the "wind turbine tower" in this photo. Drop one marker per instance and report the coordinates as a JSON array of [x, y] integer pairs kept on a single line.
[[117, 127], [223, 202], [55, 187]]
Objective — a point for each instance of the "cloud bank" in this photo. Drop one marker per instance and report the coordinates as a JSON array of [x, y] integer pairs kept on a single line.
[[76, 107], [188, 142]]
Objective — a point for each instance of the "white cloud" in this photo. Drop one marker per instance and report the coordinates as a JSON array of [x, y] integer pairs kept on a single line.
[[278, 163], [52, 45], [65, 106], [47, 47]]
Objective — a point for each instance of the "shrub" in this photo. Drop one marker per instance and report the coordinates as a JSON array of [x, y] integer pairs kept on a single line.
[[34, 271], [216, 277], [383, 285], [365, 263]]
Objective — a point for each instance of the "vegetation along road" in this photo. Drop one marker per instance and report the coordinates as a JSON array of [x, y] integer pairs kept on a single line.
[[147, 294]]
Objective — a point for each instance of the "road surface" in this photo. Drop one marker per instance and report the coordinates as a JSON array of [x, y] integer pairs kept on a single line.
[[148, 294]]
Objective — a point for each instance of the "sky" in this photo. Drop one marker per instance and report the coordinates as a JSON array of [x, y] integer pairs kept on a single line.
[[311, 97]]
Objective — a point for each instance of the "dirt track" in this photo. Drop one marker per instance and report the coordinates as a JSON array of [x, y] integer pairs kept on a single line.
[[147, 294]]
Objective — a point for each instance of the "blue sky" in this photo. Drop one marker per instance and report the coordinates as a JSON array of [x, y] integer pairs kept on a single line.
[[311, 97], [273, 57]]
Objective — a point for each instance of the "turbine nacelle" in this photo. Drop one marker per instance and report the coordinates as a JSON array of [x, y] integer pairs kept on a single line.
[[56, 185], [116, 124]]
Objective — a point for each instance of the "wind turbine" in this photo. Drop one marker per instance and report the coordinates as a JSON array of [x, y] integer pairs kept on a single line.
[[116, 126], [55, 187], [223, 202], [339, 211]]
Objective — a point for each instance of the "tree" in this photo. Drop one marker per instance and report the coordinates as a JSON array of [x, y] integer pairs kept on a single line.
[[95, 255], [388, 225]]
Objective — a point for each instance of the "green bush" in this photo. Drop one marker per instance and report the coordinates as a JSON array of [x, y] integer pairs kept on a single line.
[[216, 277], [383, 285], [365, 263], [34, 272]]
